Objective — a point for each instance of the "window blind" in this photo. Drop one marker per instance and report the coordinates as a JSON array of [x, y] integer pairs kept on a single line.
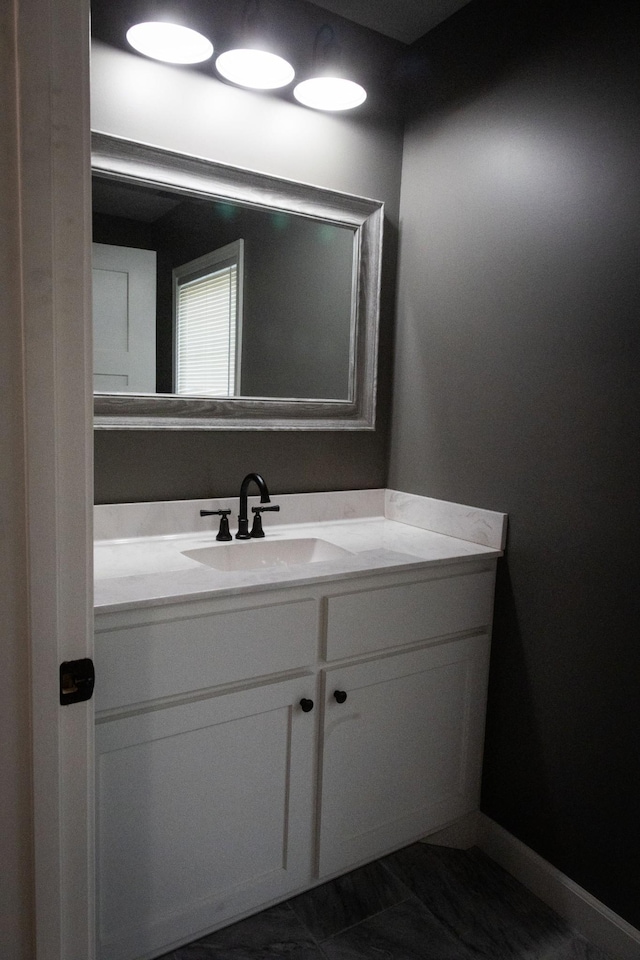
[[206, 334]]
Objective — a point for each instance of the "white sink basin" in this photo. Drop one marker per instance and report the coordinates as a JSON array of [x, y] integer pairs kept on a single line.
[[254, 554]]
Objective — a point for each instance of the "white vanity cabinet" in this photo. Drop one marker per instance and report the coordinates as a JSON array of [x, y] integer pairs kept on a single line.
[[218, 794]]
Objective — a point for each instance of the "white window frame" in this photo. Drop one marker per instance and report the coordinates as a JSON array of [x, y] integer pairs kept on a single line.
[[229, 255]]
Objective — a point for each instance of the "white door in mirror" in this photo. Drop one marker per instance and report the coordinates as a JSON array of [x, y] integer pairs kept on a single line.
[[124, 319]]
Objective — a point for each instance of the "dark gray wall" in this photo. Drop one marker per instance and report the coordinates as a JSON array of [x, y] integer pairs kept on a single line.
[[360, 153], [517, 389]]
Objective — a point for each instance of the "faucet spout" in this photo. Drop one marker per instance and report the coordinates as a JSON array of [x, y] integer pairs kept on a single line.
[[243, 520]]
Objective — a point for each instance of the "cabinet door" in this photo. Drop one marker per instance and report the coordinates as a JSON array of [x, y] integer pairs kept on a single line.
[[402, 755], [204, 812]]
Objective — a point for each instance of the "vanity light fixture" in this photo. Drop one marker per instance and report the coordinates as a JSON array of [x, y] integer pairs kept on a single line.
[[257, 69], [328, 88], [251, 63], [169, 42], [330, 93]]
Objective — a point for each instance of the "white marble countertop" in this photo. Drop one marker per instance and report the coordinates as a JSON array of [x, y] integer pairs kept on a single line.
[[383, 531]]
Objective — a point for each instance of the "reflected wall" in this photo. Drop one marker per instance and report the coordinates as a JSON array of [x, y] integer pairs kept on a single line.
[[297, 284]]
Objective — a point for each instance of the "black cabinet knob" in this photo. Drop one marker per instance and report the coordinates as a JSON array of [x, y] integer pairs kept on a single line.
[[340, 695], [306, 705]]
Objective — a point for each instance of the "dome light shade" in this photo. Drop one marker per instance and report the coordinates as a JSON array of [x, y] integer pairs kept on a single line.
[[330, 93], [169, 42], [256, 69]]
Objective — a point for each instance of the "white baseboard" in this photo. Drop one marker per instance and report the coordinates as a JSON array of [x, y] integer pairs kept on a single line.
[[588, 916]]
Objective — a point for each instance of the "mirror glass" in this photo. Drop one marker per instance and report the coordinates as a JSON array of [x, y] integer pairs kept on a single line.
[[286, 324], [227, 298]]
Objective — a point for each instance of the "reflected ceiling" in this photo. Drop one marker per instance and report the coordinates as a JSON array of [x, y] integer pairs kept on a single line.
[[405, 20]]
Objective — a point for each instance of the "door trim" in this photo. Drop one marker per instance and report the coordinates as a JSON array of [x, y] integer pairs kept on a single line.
[[52, 44]]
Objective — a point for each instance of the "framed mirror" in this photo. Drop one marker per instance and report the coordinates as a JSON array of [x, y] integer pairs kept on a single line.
[[229, 299]]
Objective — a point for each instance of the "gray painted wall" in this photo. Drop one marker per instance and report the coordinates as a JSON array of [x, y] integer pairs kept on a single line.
[[517, 389], [192, 112]]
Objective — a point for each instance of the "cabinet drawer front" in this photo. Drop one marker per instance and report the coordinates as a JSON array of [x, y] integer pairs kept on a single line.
[[373, 619], [154, 660]]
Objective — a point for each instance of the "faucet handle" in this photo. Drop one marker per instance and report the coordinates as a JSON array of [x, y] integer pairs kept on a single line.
[[223, 532], [256, 530]]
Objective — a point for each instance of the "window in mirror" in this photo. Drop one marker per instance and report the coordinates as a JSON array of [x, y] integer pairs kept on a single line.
[[208, 323]]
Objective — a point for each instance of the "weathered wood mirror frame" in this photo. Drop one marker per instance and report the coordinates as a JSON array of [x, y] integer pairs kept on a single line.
[[128, 161]]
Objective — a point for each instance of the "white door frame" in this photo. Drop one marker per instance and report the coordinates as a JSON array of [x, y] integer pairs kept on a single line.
[[52, 47]]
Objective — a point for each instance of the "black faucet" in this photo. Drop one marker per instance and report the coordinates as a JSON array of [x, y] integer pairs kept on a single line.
[[243, 520]]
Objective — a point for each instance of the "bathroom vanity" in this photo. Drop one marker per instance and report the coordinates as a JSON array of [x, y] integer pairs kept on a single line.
[[269, 725]]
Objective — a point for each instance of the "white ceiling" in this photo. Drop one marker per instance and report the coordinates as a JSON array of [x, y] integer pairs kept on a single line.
[[405, 20]]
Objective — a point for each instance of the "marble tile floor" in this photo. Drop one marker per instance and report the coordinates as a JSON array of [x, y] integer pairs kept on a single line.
[[422, 903]]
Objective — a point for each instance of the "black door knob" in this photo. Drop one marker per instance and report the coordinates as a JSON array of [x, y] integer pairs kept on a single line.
[[306, 705], [340, 695]]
